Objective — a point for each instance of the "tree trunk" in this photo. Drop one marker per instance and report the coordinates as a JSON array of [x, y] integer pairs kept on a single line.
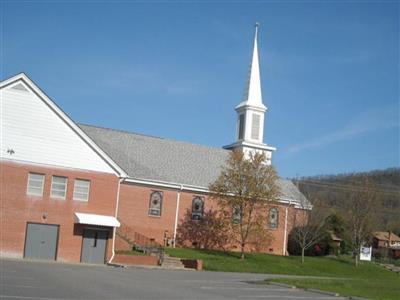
[[302, 255], [242, 251], [356, 260]]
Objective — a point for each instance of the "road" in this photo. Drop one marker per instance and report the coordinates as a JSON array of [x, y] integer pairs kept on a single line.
[[33, 280]]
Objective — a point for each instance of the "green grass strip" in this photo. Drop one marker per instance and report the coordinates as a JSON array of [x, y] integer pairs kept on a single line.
[[386, 289]]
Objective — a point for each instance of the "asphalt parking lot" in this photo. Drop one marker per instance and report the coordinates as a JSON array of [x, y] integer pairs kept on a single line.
[[34, 280]]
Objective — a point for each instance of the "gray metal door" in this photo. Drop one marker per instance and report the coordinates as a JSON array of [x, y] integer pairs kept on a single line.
[[94, 246], [41, 241]]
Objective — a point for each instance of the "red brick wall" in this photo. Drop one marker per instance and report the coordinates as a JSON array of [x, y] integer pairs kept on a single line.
[[17, 208], [121, 244], [135, 260], [196, 264], [134, 207]]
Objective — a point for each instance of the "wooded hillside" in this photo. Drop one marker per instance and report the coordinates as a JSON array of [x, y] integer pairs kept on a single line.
[[334, 191]]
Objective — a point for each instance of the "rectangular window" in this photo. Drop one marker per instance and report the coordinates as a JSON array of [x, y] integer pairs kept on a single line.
[[255, 127], [35, 184], [81, 190], [59, 187], [241, 126]]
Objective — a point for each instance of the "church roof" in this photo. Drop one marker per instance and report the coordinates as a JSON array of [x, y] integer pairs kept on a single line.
[[163, 160]]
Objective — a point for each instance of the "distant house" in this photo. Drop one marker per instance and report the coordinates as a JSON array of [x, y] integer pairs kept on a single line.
[[386, 241]]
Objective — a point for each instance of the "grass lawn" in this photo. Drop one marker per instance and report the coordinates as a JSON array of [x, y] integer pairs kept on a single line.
[[372, 288], [368, 280]]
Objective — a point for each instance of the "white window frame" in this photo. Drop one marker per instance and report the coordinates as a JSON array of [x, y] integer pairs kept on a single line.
[[75, 193], [236, 214], [271, 225], [52, 187], [150, 202], [241, 127], [29, 193], [197, 215]]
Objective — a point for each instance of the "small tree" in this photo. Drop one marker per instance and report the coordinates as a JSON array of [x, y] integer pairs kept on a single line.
[[244, 190], [360, 211], [208, 232], [308, 225]]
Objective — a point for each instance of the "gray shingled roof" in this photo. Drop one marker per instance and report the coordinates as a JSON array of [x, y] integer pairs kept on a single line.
[[159, 159]]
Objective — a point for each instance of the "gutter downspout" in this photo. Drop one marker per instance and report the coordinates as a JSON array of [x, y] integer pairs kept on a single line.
[[116, 215], [285, 234], [178, 199]]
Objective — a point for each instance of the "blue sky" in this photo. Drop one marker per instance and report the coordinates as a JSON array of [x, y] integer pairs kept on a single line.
[[329, 70]]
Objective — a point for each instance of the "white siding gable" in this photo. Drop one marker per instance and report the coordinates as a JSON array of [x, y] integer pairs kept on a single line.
[[33, 131]]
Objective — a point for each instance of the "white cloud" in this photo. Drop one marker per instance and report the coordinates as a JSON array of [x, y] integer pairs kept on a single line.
[[144, 80], [370, 120]]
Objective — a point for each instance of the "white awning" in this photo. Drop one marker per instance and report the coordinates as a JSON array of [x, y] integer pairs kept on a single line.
[[92, 219]]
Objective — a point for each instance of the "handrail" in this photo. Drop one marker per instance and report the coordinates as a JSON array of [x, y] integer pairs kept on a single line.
[[141, 242]]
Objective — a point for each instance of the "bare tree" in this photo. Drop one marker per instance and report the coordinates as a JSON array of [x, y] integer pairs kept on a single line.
[[308, 224], [244, 190], [360, 212]]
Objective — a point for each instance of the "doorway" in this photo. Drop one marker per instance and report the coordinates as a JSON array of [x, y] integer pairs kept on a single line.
[[94, 246]]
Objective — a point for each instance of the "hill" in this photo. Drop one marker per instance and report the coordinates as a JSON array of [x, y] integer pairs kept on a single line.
[[333, 189]]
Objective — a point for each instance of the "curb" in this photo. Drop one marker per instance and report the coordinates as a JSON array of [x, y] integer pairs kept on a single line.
[[152, 267], [115, 265], [283, 285], [333, 294], [323, 292]]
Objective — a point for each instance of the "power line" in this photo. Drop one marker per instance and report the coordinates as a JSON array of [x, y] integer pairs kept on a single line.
[[330, 179], [347, 187]]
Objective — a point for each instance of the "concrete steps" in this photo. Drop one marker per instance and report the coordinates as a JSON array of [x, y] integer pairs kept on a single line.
[[172, 263]]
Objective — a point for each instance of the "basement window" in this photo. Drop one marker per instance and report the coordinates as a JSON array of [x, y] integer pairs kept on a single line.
[[35, 184], [59, 187], [273, 218], [197, 208], [155, 204], [81, 190]]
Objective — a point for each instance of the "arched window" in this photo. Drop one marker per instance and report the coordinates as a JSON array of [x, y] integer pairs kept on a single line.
[[155, 204], [197, 208], [236, 215], [273, 218]]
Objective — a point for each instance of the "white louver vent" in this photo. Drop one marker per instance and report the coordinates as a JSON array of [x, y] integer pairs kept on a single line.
[[20, 87], [255, 127]]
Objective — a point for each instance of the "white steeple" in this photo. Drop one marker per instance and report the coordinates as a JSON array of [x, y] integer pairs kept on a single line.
[[251, 111], [252, 92]]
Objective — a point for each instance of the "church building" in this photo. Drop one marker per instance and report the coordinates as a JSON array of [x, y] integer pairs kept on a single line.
[[76, 192]]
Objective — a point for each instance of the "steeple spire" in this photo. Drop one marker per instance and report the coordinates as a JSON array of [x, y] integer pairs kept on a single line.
[[252, 92]]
